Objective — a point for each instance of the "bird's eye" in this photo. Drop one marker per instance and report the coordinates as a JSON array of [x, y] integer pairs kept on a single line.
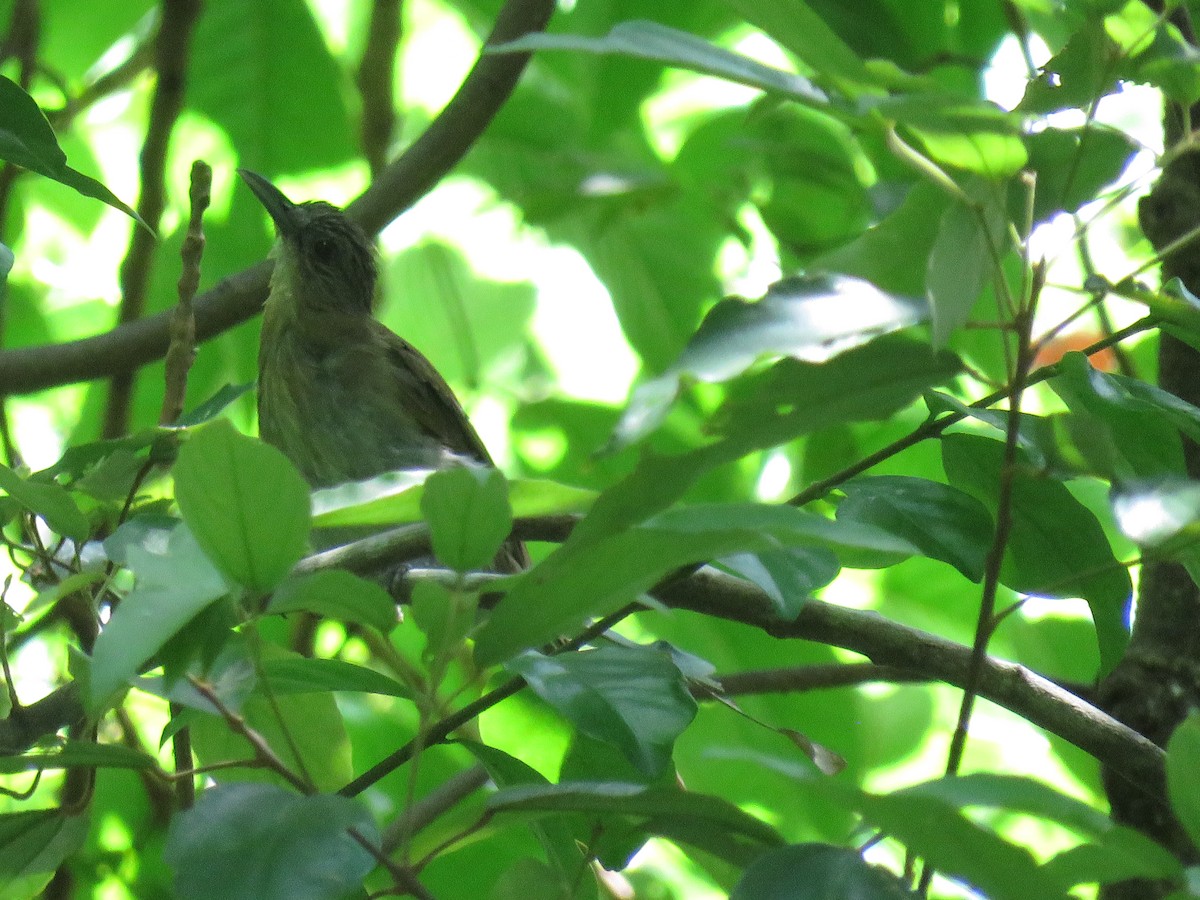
[[323, 250]]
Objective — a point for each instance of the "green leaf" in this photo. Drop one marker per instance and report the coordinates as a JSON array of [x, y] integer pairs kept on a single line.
[[310, 723], [48, 500], [79, 754], [810, 871], [1072, 166], [175, 582], [1056, 547], [660, 43], [32, 847], [632, 697], [27, 140], [788, 575], [302, 675], [246, 504], [244, 65], [708, 822], [960, 264], [798, 28], [258, 840], [444, 617], [867, 383], [337, 594], [1116, 433], [974, 135], [1183, 774], [600, 571], [943, 522], [468, 514], [812, 318]]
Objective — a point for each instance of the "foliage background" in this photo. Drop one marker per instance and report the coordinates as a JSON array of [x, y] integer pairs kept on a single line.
[[578, 244]]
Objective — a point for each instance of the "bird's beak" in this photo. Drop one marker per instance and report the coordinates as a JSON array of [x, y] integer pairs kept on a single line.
[[282, 210]]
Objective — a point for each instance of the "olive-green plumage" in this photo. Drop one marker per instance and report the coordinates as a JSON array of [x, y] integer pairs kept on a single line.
[[342, 396]]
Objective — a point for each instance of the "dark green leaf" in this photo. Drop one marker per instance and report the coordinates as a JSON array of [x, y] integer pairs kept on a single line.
[[817, 872], [257, 840], [632, 697], [1072, 166], [246, 504], [943, 522]]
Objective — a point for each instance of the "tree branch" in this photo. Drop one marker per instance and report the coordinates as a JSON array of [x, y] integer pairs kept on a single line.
[[240, 296]]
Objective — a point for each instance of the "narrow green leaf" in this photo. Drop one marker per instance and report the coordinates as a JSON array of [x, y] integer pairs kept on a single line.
[[660, 43], [468, 514], [79, 754], [258, 840], [634, 698], [246, 504], [788, 575], [175, 582]]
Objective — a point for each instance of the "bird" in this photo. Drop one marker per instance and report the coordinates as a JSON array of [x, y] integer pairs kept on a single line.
[[340, 394]]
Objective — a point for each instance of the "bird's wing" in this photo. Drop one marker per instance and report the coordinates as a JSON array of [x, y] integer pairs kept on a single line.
[[429, 400]]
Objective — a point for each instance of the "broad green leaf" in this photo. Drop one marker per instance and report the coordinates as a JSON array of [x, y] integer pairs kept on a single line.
[[84, 754], [175, 582], [48, 500], [310, 722], [1183, 774], [602, 570], [468, 514], [632, 697], [660, 43], [1079, 73], [246, 504], [811, 871], [32, 847], [1056, 547], [943, 522], [27, 140], [258, 840], [813, 318], [974, 135], [302, 675], [337, 594], [244, 65]]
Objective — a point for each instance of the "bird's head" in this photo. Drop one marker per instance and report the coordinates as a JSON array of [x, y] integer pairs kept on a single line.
[[323, 261]]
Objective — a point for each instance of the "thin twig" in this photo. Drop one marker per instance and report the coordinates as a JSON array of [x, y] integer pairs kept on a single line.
[[376, 82], [182, 350]]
